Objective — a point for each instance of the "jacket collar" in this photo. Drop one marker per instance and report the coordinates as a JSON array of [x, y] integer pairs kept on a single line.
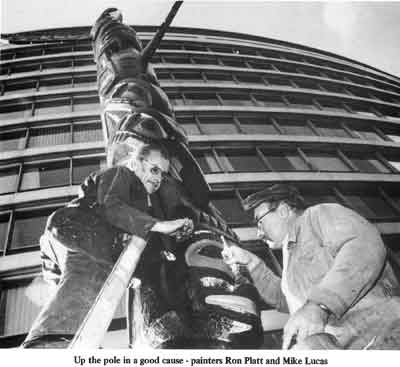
[[295, 229]]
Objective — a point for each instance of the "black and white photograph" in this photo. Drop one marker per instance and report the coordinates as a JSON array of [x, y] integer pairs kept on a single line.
[[200, 175]]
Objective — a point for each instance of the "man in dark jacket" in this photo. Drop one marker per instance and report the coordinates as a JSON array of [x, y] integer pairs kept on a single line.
[[82, 241]]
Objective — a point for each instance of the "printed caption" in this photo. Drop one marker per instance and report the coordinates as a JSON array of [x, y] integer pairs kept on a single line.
[[163, 361]]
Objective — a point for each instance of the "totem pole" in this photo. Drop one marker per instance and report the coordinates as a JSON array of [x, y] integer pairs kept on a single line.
[[186, 296]]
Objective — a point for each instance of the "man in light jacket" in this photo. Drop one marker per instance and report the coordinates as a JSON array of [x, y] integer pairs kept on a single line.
[[340, 290]]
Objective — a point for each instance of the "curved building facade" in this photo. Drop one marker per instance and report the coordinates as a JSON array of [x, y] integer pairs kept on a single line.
[[257, 111]]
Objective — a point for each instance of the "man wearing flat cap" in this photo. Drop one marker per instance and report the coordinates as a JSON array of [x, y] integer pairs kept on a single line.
[[340, 290]]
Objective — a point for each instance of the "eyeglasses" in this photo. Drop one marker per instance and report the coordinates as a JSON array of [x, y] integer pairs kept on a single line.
[[258, 220], [155, 170]]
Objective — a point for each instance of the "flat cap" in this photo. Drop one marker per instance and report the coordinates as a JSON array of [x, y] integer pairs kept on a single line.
[[276, 192]]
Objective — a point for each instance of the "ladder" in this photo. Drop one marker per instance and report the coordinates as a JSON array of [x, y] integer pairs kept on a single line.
[[94, 327]]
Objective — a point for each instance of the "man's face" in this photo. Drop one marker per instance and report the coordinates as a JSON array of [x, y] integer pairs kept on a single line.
[[151, 171], [272, 223]]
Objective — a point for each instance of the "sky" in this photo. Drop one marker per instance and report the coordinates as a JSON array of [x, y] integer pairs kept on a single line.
[[366, 31]]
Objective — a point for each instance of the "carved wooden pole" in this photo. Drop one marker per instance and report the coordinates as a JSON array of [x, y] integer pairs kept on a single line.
[[91, 332]]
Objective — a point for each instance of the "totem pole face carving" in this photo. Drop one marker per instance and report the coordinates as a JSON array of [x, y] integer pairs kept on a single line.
[[189, 297]]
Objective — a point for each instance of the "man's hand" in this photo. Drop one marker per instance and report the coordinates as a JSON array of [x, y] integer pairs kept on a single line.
[[183, 232], [179, 227], [236, 255], [307, 320]]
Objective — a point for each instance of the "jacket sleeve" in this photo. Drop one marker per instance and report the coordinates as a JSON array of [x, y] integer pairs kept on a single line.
[[113, 194], [267, 284], [358, 252]]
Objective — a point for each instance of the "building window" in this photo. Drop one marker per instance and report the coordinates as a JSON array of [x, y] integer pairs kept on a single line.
[[391, 242], [394, 194], [273, 54], [367, 133], [309, 71], [164, 76], [54, 83], [363, 93], [83, 61], [195, 47], [231, 209], [189, 125], [15, 297], [207, 161], [249, 78], [332, 106], [199, 99], [83, 46], [236, 99], [330, 162], [81, 168], [19, 85], [90, 103], [395, 162], [49, 136], [261, 65], [300, 102], [4, 219], [334, 75], [15, 111], [27, 296], [28, 227], [12, 140], [218, 125], [318, 195], [285, 160], [221, 49], [395, 138], [307, 84], [56, 49], [295, 127], [257, 125], [84, 132], [204, 60], [8, 180], [286, 68], [278, 80], [176, 59], [10, 54], [241, 160], [270, 101], [176, 99], [233, 62], [363, 109], [59, 105], [165, 45], [188, 76], [29, 52], [369, 204], [25, 67], [331, 129], [366, 162], [55, 64], [43, 175], [245, 51], [84, 80], [393, 113], [215, 77], [391, 99]]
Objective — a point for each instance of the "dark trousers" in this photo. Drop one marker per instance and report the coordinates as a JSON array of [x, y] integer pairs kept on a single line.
[[81, 277]]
